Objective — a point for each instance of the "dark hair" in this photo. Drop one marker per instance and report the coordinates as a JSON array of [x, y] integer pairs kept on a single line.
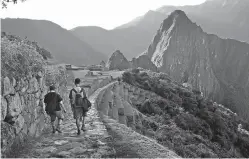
[[77, 81], [52, 88]]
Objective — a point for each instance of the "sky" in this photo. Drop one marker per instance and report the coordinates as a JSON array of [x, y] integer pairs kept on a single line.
[[68, 14]]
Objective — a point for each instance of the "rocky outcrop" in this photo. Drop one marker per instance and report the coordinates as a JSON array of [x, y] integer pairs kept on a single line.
[[218, 67], [102, 63], [143, 61], [117, 61]]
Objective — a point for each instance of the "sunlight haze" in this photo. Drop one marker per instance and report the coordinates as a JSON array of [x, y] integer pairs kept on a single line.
[[103, 13]]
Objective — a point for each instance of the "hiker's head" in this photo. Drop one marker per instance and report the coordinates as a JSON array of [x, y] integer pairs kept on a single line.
[[52, 88], [77, 81]]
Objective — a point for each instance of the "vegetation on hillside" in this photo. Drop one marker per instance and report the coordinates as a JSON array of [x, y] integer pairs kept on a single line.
[[187, 123], [18, 57]]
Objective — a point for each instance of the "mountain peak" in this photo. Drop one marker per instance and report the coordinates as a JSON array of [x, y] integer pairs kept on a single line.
[[117, 61], [176, 18], [118, 52], [179, 16], [178, 13]]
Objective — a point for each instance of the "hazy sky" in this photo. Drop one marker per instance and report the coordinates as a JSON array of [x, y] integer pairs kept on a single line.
[[71, 13]]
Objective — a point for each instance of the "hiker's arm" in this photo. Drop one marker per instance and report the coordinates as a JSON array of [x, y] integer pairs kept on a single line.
[[84, 93], [62, 106], [44, 104], [61, 103], [44, 107], [71, 97]]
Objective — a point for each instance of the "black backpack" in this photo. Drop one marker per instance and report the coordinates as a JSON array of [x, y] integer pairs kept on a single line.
[[79, 101]]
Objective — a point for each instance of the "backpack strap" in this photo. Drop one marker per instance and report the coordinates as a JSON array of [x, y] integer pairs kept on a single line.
[[84, 92], [74, 90]]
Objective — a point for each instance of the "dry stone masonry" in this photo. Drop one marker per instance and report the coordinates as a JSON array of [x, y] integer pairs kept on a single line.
[[22, 108], [118, 100]]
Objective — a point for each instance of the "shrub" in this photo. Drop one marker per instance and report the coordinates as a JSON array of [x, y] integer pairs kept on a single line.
[[243, 144], [195, 125], [135, 70], [150, 108], [127, 77]]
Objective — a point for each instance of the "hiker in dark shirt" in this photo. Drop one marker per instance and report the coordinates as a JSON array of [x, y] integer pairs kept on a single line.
[[53, 102]]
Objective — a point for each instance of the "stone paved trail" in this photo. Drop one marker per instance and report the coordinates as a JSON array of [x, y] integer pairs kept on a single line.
[[90, 144]]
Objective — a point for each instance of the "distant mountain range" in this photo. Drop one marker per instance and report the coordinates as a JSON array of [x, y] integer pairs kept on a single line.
[[225, 18], [62, 44], [89, 45]]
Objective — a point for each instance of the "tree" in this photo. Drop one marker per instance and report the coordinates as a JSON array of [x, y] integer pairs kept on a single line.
[[5, 2]]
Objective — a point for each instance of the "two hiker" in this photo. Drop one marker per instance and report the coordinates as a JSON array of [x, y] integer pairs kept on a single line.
[[79, 104]]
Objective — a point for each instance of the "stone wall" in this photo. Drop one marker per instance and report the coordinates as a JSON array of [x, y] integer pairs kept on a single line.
[[98, 83], [118, 102], [22, 115]]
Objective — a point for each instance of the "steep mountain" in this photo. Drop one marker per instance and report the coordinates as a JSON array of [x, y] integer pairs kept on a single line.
[[117, 61], [63, 45], [225, 18], [218, 67]]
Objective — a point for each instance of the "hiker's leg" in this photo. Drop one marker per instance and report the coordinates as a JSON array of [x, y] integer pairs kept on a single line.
[[77, 116], [78, 124], [83, 121], [60, 118], [73, 111], [53, 117]]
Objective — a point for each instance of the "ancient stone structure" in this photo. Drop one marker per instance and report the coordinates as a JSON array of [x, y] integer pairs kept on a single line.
[[118, 100], [22, 109]]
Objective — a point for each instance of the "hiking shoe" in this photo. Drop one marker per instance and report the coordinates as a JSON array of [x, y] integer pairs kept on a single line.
[[59, 131], [78, 132], [83, 128]]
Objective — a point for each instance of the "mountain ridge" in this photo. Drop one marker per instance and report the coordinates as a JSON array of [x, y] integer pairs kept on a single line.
[[59, 41], [226, 21]]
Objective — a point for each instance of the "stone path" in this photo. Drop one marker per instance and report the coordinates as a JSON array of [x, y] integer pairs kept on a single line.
[[94, 143]]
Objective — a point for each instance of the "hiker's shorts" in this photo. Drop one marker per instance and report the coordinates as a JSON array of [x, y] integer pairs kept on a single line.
[[79, 113], [55, 114]]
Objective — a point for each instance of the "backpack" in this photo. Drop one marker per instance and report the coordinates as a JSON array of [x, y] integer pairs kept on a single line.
[[83, 102], [79, 101]]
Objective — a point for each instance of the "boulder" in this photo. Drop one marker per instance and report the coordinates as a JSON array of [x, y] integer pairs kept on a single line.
[[19, 123], [7, 86]]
